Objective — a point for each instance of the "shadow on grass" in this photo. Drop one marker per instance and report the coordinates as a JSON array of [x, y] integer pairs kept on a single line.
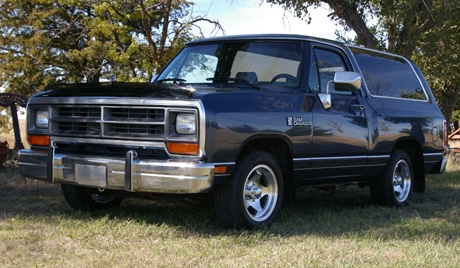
[[349, 212]]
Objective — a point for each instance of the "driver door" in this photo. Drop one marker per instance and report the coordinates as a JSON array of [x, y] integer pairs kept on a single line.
[[340, 133]]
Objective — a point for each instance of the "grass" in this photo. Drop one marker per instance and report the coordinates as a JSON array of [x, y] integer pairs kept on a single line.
[[38, 229]]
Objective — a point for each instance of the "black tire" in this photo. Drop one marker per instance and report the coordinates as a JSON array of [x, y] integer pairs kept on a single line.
[[80, 199], [394, 187], [253, 196]]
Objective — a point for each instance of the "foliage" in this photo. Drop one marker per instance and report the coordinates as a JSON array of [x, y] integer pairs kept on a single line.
[[46, 41], [456, 115], [439, 57]]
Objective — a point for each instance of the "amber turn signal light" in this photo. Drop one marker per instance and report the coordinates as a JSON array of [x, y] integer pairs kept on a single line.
[[39, 140], [182, 148], [222, 169]]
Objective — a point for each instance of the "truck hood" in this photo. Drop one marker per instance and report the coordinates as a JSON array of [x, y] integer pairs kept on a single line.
[[174, 91]]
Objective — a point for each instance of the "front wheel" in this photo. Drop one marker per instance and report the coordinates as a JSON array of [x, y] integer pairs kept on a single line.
[[253, 195], [79, 198], [395, 186]]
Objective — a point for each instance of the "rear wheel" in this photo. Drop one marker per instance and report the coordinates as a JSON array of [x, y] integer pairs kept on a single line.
[[395, 186], [252, 197], [79, 198]]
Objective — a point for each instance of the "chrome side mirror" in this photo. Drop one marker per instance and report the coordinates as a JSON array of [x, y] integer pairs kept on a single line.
[[347, 81], [343, 81]]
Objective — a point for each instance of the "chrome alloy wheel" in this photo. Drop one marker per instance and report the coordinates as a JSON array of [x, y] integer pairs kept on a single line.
[[402, 180], [260, 193]]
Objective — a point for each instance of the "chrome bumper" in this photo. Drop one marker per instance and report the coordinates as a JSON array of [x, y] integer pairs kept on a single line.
[[129, 173]]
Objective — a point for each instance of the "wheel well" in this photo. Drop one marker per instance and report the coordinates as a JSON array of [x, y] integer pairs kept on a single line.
[[281, 151], [414, 150]]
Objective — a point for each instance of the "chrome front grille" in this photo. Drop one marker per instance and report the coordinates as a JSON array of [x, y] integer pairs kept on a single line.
[[109, 121]]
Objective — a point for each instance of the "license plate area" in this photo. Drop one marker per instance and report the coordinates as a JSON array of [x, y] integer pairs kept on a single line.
[[91, 175]]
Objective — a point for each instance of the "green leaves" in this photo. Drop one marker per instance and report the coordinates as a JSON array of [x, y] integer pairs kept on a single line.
[[47, 41]]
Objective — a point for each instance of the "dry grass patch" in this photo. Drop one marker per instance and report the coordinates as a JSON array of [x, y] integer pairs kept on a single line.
[[37, 228], [8, 135]]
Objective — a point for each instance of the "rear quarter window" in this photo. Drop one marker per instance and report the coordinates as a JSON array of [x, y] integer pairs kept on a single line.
[[388, 76]]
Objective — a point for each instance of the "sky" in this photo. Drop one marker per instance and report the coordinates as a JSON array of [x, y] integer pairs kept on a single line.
[[256, 16]]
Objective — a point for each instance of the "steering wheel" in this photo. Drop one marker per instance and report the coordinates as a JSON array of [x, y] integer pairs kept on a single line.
[[289, 78]]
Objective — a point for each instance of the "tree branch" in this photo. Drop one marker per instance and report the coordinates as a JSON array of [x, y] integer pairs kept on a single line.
[[352, 18]]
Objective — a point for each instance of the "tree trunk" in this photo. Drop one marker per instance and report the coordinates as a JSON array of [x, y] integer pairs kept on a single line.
[[164, 34], [448, 101], [391, 37], [350, 15]]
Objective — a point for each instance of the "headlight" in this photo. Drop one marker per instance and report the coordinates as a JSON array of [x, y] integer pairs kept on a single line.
[[41, 118], [185, 124]]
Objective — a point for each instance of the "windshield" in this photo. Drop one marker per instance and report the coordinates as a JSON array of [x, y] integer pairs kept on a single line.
[[253, 64]]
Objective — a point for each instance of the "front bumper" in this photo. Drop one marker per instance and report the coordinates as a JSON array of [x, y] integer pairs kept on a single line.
[[118, 173]]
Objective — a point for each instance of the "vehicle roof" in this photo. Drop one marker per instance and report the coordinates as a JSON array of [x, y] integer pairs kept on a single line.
[[265, 37], [282, 37]]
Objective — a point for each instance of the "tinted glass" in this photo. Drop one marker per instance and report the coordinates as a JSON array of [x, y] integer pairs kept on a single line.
[[258, 63], [388, 76], [324, 65]]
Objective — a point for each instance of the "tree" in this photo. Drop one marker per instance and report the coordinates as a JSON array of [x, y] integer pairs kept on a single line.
[[146, 34], [47, 41], [414, 29], [29, 49], [439, 58]]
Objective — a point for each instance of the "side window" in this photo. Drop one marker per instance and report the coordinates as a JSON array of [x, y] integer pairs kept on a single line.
[[324, 65], [388, 76]]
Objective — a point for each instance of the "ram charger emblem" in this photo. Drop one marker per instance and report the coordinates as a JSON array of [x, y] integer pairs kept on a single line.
[[297, 121]]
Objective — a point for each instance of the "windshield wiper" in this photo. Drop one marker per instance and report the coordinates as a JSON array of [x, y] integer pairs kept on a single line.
[[171, 79], [227, 79]]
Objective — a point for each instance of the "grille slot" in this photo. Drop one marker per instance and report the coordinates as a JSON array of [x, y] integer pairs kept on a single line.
[[80, 128], [80, 112], [141, 115], [135, 130]]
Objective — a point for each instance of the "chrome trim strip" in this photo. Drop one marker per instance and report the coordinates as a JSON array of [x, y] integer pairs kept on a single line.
[[378, 156], [330, 167], [433, 157], [73, 140], [183, 177], [301, 169], [222, 175], [103, 101], [341, 157], [302, 159], [202, 128], [369, 162], [433, 154], [30, 164], [224, 164]]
